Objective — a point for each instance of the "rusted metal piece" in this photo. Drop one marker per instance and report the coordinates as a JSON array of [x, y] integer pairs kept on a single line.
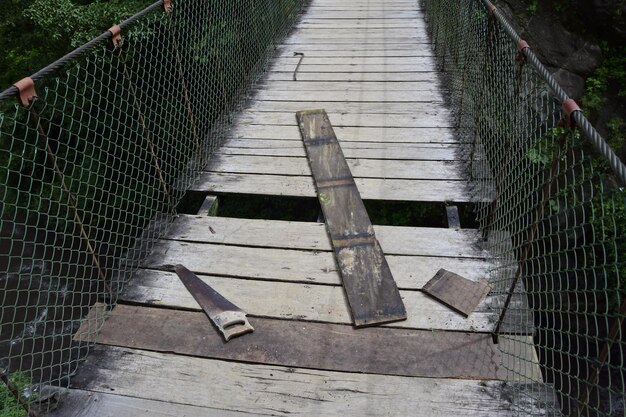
[[26, 88], [4, 376], [367, 280], [458, 293], [522, 44], [229, 319], [167, 5], [569, 107], [116, 35], [295, 72]]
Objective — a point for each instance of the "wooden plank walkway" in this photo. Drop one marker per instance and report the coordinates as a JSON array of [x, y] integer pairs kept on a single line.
[[369, 64]]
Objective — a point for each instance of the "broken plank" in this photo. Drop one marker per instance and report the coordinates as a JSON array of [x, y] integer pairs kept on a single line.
[[275, 390], [457, 292], [361, 168], [288, 300], [371, 188], [367, 280], [354, 134], [325, 346]]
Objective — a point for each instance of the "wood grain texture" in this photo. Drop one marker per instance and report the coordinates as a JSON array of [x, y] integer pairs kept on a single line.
[[352, 150], [352, 134], [279, 390], [387, 351], [348, 107], [424, 120], [302, 186], [288, 300], [360, 168]]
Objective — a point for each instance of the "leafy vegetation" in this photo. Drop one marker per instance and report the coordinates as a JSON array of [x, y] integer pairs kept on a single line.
[[36, 32], [9, 406]]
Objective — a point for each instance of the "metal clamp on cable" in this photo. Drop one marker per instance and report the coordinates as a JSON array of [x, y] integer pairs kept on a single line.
[[569, 108]]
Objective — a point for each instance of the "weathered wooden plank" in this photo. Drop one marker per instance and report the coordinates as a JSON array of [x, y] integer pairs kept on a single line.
[[355, 134], [351, 86], [313, 51], [362, 150], [457, 292], [280, 390], [358, 24], [350, 107], [81, 403], [357, 68], [371, 188], [395, 240], [304, 266], [373, 35], [355, 47], [425, 120], [355, 76], [436, 98], [366, 277], [361, 168], [330, 347], [288, 300]]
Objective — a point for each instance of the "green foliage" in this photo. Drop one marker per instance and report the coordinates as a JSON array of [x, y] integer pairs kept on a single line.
[[532, 7], [610, 76], [9, 406], [36, 32]]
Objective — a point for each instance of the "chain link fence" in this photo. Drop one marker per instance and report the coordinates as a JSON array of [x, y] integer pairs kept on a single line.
[[93, 167], [555, 220]]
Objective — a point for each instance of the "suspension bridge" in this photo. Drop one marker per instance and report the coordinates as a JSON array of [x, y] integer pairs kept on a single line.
[[434, 104]]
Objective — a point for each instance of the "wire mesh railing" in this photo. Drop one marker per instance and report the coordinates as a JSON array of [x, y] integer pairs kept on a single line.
[[555, 220], [96, 151]]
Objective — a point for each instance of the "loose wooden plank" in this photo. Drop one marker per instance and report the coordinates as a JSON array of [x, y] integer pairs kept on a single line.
[[276, 390], [425, 120], [81, 403], [395, 240], [354, 134], [361, 168], [460, 294], [310, 345], [352, 150], [287, 300], [366, 277], [371, 188]]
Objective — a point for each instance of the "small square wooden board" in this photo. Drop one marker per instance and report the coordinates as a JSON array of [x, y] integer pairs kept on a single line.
[[456, 292]]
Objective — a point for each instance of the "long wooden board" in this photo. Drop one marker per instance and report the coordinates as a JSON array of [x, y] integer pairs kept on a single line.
[[310, 345], [353, 134], [361, 168], [427, 120], [350, 96], [302, 186], [352, 150], [370, 288], [350, 107], [395, 240], [278, 390]]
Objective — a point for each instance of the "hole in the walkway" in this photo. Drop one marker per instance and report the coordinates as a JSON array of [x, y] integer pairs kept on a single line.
[[392, 213]]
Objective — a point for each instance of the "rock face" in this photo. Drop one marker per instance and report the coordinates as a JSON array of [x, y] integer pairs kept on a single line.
[[568, 56], [606, 17]]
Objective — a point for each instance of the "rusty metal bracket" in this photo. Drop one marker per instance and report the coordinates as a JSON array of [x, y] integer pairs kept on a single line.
[[521, 46], [491, 8], [167, 5], [569, 108], [295, 72], [27, 93], [116, 35]]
